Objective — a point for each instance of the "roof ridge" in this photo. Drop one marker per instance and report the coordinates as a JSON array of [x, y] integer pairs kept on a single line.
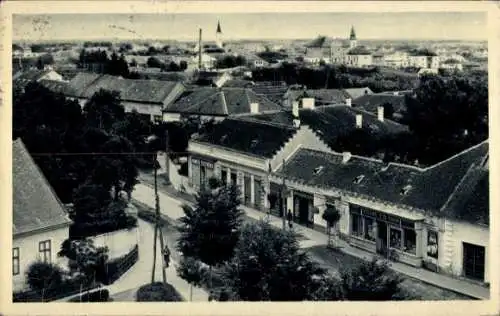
[[463, 152], [250, 119]]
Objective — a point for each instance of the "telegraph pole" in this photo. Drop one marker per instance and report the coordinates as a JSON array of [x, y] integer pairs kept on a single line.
[[284, 196]]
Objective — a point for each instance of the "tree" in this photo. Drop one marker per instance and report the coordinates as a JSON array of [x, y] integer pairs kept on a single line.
[[85, 258], [43, 276], [104, 109], [192, 271], [154, 62], [268, 266], [183, 65], [210, 231], [331, 216], [370, 281]]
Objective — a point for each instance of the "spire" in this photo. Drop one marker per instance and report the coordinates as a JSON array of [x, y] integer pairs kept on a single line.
[[353, 34], [218, 27]]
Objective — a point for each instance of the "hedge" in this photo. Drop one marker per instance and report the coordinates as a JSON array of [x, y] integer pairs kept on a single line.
[[91, 229], [95, 296], [158, 292]]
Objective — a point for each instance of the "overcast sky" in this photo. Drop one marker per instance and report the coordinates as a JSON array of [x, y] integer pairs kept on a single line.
[[428, 25]]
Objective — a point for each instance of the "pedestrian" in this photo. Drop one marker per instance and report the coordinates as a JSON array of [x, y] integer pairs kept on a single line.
[[290, 219]]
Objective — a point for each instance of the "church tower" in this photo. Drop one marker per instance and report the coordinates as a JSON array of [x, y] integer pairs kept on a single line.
[[218, 36], [352, 38]]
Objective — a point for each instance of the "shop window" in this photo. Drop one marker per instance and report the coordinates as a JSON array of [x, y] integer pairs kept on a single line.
[[395, 240], [432, 244], [15, 261], [357, 225], [233, 178], [195, 173], [369, 229], [410, 245]]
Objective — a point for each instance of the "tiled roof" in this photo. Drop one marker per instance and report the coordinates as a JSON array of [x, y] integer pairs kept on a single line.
[[143, 91], [35, 205], [256, 138], [57, 86], [23, 78], [327, 96], [330, 122], [274, 91], [238, 83], [219, 101], [81, 81], [370, 102], [355, 93], [429, 188]]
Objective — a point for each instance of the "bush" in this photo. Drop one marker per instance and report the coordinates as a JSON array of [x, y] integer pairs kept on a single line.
[[96, 296], [65, 289], [43, 276], [158, 292]]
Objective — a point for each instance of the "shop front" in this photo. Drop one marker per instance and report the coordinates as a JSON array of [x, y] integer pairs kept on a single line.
[[202, 169], [303, 208], [386, 234]]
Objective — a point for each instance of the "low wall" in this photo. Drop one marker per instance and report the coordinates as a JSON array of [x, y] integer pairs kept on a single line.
[[119, 242]]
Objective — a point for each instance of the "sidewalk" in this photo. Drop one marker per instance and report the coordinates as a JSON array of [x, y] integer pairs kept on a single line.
[[318, 238]]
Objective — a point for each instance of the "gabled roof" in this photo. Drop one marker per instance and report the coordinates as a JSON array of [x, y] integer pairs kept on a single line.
[[23, 78], [327, 96], [141, 91], [355, 93], [57, 86], [81, 81], [274, 91], [35, 205], [359, 50], [331, 122], [220, 101], [248, 137], [428, 189], [370, 102]]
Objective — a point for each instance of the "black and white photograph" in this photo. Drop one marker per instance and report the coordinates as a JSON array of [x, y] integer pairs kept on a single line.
[[266, 156]]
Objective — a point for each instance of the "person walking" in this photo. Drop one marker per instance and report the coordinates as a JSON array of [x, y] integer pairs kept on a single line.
[[290, 219]]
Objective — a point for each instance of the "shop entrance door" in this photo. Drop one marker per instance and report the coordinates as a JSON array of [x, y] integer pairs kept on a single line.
[[474, 261], [381, 237]]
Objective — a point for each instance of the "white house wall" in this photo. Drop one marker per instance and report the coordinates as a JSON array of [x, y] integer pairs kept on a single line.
[[119, 242], [29, 252]]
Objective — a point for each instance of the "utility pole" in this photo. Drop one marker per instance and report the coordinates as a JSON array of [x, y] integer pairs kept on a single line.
[[158, 231], [284, 194]]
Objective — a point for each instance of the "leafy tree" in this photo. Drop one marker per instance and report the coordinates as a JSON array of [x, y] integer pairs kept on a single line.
[[183, 65], [268, 266], [192, 271], [331, 216], [43, 276], [85, 258], [104, 109], [210, 231], [154, 62], [370, 281]]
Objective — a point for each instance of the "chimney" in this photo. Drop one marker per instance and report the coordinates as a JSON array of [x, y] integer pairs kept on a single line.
[[380, 113], [254, 108], [295, 109], [348, 102], [308, 103], [346, 156], [359, 121], [199, 51]]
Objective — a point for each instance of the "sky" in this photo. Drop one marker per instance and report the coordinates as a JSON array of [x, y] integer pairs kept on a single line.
[[405, 25]]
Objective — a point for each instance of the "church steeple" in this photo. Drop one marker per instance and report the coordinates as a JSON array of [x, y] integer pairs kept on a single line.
[[218, 36], [218, 27], [353, 34], [352, 38]]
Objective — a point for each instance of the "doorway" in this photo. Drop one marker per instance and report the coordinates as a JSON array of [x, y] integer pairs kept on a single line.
[[381, 237], [473, 261]]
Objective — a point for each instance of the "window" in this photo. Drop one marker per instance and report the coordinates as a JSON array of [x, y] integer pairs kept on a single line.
[[405, 190], [223, 176], [44, 249], [410, 245], [318, 170], [195, 168], [369, 229], [15, 261], [357, 225], [233, 178], [395, 241], [203, 176], [157, 118], [432, 244]]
